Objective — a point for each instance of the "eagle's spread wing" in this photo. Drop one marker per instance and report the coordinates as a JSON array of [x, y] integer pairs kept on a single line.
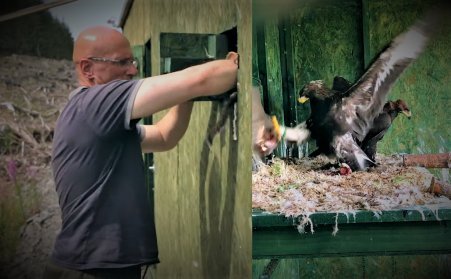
[[340, 84], [368, 95], [349, 151]]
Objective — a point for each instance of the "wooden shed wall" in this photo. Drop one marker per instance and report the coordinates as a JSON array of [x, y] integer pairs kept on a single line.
[[202, 194]]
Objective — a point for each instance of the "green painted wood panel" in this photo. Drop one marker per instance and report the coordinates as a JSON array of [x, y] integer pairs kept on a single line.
[[259, 71], [355, 239], [255, 69], [274, 75], [412, 214], [420, 266], [326, 41], [290, 96]]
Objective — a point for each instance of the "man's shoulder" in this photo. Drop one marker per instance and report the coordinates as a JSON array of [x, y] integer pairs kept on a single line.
[[104, 107], [100, 91]]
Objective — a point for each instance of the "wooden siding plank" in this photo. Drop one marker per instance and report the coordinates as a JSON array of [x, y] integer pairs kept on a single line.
[[355, 239], [366, 34], [289, 94], [274, 77], [261, 56], [419, 266]]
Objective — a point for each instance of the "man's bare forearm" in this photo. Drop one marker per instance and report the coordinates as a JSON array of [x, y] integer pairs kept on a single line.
[[167, 132]]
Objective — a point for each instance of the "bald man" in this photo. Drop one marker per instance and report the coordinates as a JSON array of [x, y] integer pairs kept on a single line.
[[108, 226]]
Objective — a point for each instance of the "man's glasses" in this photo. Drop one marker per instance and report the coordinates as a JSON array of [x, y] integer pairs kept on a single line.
[[122, 62]]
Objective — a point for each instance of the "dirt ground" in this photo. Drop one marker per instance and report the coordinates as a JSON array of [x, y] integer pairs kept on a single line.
[[32, 93]]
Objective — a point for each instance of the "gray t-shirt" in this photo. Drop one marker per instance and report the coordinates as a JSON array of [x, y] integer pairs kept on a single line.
[[107, 218]]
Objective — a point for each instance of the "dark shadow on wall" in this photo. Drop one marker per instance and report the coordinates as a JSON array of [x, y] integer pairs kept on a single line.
[[216, 228]]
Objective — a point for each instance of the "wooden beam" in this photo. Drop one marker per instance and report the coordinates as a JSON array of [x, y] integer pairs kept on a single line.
[[366, 34], [370, 239], [34, 9], [274, 77], [261, 62], [415, 230], [440, 160], [286, 61]]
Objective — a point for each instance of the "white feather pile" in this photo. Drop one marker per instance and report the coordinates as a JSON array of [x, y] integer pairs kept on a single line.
[[298, 189]]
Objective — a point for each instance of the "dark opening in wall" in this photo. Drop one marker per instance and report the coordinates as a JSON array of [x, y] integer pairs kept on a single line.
[[182, 50]]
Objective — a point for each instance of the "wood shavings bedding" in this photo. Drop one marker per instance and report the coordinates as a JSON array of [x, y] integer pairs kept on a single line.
[[300, 188]]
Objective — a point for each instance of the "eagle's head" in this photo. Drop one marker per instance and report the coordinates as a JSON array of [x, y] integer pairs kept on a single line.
[[402, 107], [312, 89], [398, 106]]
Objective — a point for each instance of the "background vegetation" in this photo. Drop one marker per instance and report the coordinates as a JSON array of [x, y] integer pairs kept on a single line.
[[37, 34], [32, 91]]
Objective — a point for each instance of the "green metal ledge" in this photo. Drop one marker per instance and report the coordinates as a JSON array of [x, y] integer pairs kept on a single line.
[[396, 232]]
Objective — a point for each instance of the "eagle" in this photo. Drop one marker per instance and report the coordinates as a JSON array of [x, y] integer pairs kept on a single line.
[[321, 100], [342, 117], [325, 96], [381, 124]]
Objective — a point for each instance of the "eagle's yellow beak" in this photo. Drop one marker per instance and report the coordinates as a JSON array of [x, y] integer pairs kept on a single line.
[[276, 127], [302, 99], [407, 113]]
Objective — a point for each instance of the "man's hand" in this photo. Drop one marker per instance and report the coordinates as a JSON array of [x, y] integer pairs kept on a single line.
[[298, 135], [234, 57], [266, 139], [266, 132], [270, 134]]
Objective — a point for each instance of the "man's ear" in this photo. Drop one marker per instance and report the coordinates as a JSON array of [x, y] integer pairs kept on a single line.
[[86, 69]]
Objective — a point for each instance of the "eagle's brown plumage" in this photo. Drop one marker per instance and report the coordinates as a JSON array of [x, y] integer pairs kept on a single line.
[[341, 119], [321, 100], [381, 124]]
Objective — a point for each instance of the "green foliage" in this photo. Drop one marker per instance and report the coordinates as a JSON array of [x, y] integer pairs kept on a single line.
[[11, 220], [15, 208], [7, 141], [277, 168], [37, 34]]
